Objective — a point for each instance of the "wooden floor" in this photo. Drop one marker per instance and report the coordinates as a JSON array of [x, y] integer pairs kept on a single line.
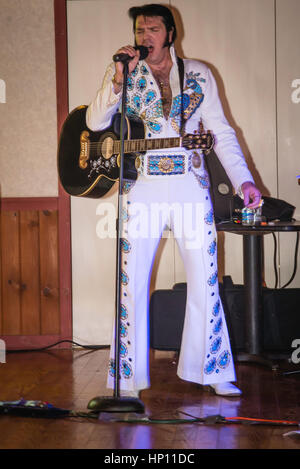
[[70, 378]]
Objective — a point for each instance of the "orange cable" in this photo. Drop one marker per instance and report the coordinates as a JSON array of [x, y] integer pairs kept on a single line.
[[285, 422]]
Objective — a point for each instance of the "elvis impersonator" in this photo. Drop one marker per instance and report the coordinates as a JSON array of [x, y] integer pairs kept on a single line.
[[176, 179]]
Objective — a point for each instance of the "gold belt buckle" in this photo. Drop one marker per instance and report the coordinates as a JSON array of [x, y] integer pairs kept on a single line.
[[166, 165]]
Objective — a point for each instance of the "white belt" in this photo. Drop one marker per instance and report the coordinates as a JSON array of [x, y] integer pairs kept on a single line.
[[167, 163]]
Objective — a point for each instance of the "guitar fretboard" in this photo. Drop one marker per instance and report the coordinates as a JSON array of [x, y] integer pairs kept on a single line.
[[131, 146]]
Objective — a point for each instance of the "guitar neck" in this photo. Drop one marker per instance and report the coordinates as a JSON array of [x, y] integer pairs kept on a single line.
[[141, 145]]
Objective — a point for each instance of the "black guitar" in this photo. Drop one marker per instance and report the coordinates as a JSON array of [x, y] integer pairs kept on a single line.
[[88, 162]]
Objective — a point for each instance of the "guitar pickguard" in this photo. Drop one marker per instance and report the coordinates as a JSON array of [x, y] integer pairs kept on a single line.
[[103, 164], [102, 158]]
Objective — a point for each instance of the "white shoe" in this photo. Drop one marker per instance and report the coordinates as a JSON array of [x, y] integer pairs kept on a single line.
[[226, 389]]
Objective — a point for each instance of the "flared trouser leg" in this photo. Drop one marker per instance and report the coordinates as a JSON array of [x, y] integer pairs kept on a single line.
[[184, 204], [205, 355], [141, 236]]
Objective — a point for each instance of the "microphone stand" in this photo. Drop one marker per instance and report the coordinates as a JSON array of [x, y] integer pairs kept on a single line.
[[118, 403]]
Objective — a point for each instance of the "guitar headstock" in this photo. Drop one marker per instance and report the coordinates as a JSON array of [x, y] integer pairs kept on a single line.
[[202, 141]]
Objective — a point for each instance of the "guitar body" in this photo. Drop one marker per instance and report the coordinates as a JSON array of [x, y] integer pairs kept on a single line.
[[89, 162], [88, 165]]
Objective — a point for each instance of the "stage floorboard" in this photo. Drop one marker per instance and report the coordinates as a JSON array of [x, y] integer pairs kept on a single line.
[[68, 379]]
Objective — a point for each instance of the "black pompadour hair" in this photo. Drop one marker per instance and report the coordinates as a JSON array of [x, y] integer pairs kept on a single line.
[[155, 9]]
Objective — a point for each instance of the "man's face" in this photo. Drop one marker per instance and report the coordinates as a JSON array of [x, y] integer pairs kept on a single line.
[[151, 32]]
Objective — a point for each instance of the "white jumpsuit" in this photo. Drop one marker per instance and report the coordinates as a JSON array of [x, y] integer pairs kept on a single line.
[[172, 189]]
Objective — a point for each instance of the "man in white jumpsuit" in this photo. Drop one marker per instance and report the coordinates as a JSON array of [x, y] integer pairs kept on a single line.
[[176, 181]]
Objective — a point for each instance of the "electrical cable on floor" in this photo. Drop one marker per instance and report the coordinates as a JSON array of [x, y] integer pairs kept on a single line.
[[209, 420], [295, 262], [40, 409], [41, 349], [275, 262]]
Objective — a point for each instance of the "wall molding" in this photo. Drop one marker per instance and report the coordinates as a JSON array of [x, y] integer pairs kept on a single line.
[[64, 204], [29, 203]]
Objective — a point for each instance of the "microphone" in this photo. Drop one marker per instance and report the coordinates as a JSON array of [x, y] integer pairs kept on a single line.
[[126, 58]]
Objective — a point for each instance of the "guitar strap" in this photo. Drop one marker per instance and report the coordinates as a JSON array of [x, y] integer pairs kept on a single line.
[[216, 172], [181, 78]]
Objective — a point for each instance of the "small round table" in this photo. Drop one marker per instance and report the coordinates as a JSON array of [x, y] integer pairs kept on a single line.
[[252, 260]]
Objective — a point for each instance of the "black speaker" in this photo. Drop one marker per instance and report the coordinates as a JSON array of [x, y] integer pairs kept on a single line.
[[167, 311], [221, 190], [281, 317]]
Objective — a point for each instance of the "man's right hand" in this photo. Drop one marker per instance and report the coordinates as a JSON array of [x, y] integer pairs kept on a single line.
[[118, 76]]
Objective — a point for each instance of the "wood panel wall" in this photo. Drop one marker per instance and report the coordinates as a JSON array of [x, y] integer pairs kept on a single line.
[[29, 274]]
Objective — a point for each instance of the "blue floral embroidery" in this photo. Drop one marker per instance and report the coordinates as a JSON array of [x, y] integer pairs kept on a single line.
[[209, 217], [144, 70], [150, 97], [141, 84], [150, 115], [212, 248], [176, 104], [154, 126], [127, 186], [196, 97], [216, 345], [123, 350], [126, 246], [224, 359], [212, 279], [218, 326], [123, 312], [124, 278], [135, 71], [216, 308], [175, 113], [202, 180], [131, 112], [192, 80], [125, 215], [130, 83], [112, 367], [123, 331], [150, 108], [136, 102], [210, 367], [126, 370]]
